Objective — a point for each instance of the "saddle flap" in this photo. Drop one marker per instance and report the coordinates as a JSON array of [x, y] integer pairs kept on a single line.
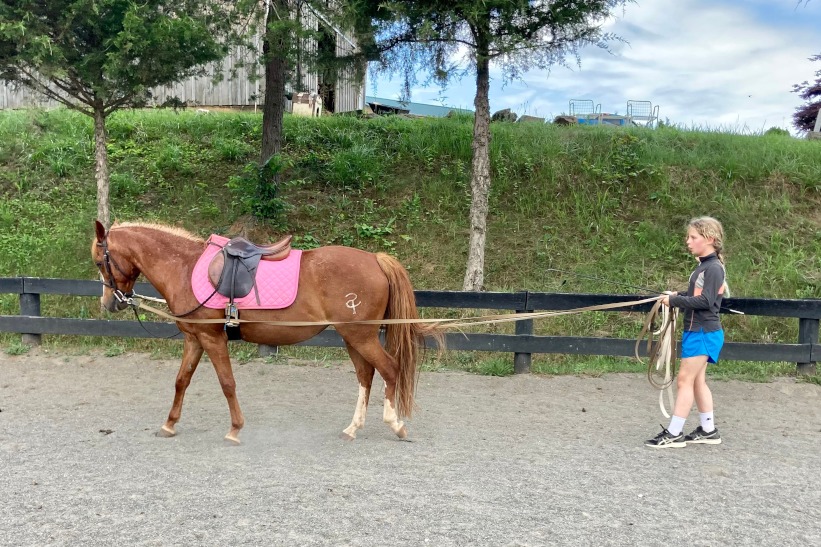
[[233, 276]]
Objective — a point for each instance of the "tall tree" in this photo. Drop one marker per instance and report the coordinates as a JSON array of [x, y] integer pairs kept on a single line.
[[98, 56], [290, 48], [280, 42], [515, 35], [806, 115]]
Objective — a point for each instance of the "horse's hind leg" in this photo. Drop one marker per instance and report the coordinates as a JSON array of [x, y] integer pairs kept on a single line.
[[373, 352], [364, 373], [191, 354]]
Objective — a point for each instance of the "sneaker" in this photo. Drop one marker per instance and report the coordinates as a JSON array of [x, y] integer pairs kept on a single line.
[[698, 436], [665, 439]]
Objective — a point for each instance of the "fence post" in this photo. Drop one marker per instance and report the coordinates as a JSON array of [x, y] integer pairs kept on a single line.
[[30, 305], [521, 361], [807, 334], [265, 350]]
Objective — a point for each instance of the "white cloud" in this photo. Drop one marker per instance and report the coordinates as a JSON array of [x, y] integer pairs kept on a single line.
[[728, 64]]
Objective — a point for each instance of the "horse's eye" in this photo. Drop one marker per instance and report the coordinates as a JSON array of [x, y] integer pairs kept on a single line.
[[99, 264]]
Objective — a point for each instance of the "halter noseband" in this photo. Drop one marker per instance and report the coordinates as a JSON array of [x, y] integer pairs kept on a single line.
[[112, 282]]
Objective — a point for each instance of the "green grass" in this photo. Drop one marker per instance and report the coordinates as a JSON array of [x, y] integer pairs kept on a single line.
[[114, 351], [599, 202], [814, 379], [17, 348]]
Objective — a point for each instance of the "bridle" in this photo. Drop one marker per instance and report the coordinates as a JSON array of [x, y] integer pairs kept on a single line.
[[108, 260], [131, 298]]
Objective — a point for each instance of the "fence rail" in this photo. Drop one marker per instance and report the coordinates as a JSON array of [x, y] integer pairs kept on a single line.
[[522, 344]]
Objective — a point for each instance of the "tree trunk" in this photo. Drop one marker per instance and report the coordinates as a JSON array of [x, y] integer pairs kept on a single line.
[[480, 177], [273, 48], [101, 155]]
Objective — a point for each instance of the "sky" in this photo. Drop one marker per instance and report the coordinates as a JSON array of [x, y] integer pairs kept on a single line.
[[726, 65]]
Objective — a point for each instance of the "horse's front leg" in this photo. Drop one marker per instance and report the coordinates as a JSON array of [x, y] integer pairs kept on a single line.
[[216, 345], [191, 354]]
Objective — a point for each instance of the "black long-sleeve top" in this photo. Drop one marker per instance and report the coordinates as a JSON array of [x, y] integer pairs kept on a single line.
[[703, 298]]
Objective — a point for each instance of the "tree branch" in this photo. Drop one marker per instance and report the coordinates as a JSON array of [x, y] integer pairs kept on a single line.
[[112, 106], [34, 83]]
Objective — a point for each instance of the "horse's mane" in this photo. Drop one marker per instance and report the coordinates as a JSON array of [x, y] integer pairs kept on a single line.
[[173, 230]]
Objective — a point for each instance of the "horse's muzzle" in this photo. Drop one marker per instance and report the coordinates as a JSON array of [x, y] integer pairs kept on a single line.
[[112, 305]]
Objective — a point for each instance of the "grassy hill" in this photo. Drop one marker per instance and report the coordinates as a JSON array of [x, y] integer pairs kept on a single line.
[[597, 201]]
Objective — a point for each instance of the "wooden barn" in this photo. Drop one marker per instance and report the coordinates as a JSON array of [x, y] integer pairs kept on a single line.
[[238, 88]]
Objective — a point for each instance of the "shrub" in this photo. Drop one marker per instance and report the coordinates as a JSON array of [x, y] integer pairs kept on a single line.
[[257, 190]]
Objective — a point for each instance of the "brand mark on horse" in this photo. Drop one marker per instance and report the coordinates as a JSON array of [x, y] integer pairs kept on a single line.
[[352, 303]]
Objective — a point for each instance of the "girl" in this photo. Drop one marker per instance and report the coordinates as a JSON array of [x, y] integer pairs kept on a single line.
[[703, 336]]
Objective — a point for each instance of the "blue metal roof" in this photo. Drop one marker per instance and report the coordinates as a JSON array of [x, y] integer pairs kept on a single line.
[[418, 109]]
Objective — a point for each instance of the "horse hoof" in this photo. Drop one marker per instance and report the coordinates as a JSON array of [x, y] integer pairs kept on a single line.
[[346, 437], [166, 432], [233, 440], [402, 433]]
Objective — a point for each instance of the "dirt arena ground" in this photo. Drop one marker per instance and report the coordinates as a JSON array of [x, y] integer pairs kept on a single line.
[[525, 460]]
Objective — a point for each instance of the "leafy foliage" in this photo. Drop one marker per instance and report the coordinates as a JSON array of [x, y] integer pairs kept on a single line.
[[805, 115], [105, 54], [517, 35], [97, 56], [257, 191], [777, 132]]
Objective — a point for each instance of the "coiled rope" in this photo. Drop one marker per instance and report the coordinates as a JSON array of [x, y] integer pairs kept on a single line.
[[661, 351]]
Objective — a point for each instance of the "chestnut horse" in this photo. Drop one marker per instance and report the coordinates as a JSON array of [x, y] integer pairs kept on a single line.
[[166, 257]]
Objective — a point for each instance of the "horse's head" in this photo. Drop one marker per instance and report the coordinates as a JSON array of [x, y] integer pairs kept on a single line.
[[117, 273]]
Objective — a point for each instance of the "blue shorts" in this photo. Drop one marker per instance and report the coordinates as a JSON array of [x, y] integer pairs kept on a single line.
[[695, 343]]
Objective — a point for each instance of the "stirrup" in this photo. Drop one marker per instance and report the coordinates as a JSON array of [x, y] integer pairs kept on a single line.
[[231, 315]]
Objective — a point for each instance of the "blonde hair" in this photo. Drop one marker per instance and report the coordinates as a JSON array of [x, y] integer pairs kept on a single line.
[[711, 228]]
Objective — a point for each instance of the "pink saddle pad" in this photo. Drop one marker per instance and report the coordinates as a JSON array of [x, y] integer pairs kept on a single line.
[[277, 282]]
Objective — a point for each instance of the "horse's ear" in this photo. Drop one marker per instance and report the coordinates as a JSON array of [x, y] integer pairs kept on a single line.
[[100, 229]]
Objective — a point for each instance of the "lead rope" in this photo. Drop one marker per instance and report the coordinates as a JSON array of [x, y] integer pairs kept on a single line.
[[661, 351], [135, 300]]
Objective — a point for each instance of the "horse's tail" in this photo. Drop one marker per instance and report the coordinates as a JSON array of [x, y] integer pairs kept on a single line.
[[404, 341]]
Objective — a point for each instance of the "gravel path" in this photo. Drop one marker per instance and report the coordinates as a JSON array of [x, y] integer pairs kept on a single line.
[[526, 460]]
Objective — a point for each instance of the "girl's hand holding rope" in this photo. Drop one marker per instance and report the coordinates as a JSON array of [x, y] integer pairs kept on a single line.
[[666, 299]]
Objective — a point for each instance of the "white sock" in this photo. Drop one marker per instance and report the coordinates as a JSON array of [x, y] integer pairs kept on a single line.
[[707, 421], [676, 425]]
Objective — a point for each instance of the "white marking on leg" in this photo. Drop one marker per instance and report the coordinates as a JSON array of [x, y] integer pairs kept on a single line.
[[361, 410], [390, 417]]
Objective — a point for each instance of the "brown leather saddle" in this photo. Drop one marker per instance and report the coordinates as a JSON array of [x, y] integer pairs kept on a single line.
[[233, 271]]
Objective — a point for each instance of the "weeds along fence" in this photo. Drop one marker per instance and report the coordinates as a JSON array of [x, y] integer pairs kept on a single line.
[[805, 353]]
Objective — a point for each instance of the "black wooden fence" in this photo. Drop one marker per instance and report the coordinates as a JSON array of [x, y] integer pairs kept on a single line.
[[522, 344]]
